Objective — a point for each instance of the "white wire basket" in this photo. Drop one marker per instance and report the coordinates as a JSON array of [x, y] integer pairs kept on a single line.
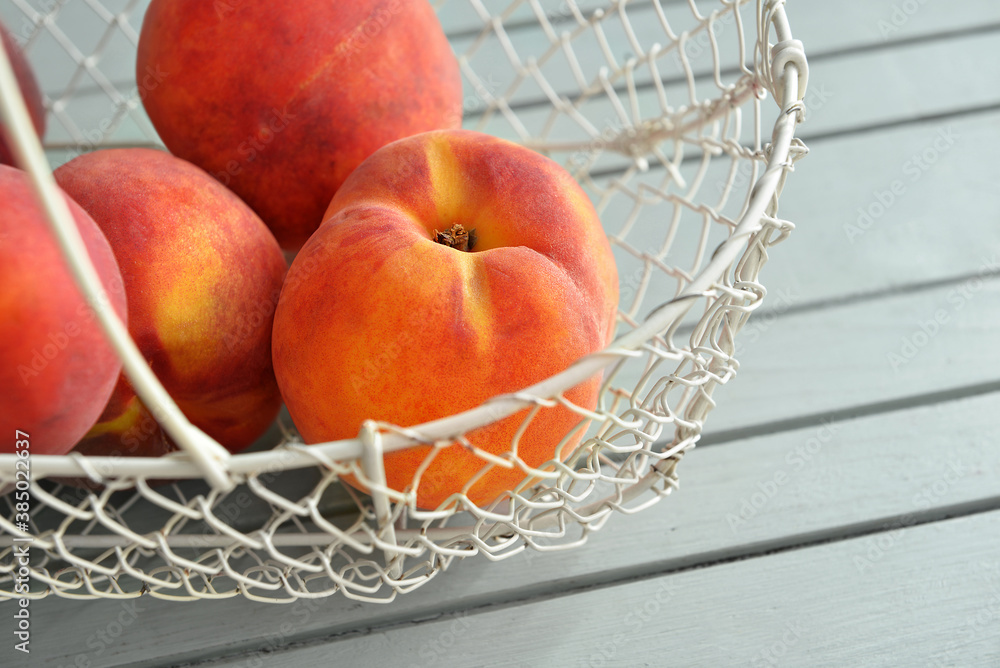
[[659, 108]]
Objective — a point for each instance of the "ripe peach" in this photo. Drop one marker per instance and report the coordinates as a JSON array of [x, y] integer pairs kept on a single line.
[[281, 101], [57, 369], [377, 321], [29, 89], [202, 274]]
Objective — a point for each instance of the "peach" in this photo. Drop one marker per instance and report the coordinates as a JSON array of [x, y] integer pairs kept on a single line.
[[57, 369], [451, 267], [281, 101], [202, 274], [29, 89]]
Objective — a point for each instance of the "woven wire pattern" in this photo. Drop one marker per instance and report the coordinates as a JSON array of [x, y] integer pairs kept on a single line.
[[666, 138]]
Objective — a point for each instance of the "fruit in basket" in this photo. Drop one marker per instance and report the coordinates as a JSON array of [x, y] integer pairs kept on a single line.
[[57, 369], [451, 267], [202, 274], [29, 90], [281, 101]]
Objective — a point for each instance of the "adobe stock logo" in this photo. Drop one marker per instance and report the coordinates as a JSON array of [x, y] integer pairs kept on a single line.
[[250, 148], [899, 17], [914, 169], [59, 339]]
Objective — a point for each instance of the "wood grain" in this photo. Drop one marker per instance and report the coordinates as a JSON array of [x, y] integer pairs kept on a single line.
[[913, 596]]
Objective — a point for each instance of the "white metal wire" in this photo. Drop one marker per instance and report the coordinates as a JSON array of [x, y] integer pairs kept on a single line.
[[665, 137]]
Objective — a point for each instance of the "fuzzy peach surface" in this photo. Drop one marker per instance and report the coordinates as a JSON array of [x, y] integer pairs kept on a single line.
[[281, 101], [378, 321], [57, 369], [202, 274]]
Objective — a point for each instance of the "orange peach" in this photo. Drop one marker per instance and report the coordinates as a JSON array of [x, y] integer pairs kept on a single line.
[[57, 369], [29, 89], [451, 267], [202, 274], [281, 101]]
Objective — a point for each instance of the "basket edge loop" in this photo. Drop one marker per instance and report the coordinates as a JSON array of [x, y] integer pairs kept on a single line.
[[784, 53]]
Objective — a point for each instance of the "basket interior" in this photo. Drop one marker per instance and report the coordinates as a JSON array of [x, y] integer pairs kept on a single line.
[[660, 111]]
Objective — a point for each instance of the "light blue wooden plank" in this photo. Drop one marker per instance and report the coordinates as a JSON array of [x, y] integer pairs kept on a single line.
[[845, 356], [850, 356], [908, 596], [460, 17]]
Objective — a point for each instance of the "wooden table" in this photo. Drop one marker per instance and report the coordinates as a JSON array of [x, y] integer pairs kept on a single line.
[[843, 508]]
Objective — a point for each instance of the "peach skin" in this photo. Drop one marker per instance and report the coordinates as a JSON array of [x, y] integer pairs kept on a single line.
[[202, 274], [57, 369], [281, 101], [451, 267]]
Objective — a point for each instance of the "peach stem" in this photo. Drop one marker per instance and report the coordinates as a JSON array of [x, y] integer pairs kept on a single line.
[[456, 237]]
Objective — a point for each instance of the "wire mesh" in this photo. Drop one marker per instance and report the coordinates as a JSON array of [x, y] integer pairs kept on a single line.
[[657, 107]]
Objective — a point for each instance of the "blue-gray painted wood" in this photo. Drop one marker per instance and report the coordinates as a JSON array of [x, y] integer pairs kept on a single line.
[[846, 295]]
